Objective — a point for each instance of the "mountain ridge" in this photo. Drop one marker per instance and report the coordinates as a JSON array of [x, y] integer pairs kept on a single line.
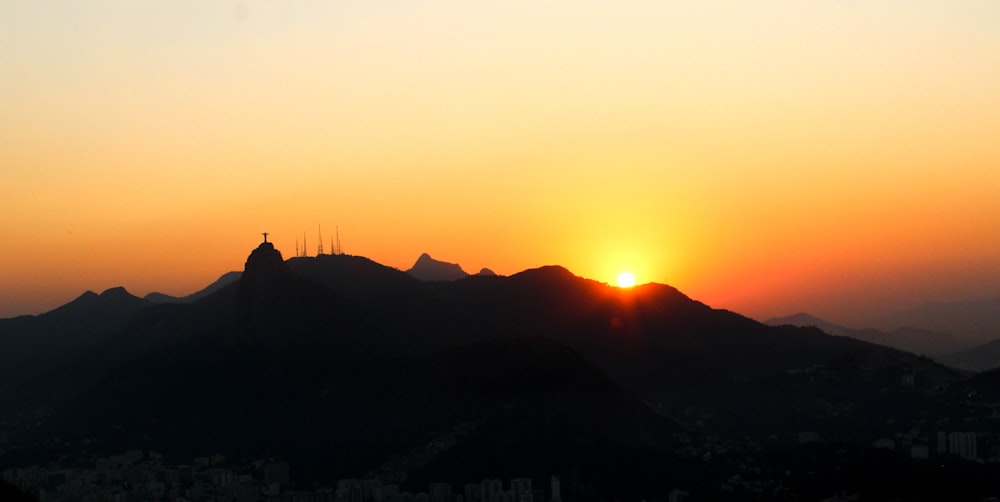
[[340, 365], [221, 282], [919, 341], [974, 321]]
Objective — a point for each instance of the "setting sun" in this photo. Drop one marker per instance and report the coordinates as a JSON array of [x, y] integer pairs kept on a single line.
[[626, 280]]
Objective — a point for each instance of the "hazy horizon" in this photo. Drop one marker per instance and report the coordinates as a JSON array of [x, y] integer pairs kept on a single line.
[[837, 159]]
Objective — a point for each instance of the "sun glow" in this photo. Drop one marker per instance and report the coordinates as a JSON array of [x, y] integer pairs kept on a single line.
[[626, 280]]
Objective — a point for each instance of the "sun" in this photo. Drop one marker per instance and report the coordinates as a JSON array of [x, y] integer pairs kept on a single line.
[[626, 280]]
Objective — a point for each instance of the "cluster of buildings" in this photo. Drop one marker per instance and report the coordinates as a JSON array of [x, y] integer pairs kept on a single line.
[[487, 490], [138, 476], [960, 444]]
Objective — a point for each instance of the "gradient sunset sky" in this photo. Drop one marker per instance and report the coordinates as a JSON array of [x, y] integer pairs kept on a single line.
[[835, 157]]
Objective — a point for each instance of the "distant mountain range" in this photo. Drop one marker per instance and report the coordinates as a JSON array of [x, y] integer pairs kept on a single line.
[[348, 368], [972, 321], [979, 358], [976, 321], [916, 340]]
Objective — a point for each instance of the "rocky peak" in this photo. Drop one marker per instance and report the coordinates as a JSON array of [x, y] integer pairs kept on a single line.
[[429, 269]]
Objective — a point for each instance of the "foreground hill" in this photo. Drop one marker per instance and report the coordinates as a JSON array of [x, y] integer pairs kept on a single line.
[[303, 373]]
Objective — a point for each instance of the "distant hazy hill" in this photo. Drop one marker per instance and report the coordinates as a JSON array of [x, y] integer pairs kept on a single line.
[[918, 341], [226, 279], [975, 322], [429, 269], [979, 358]]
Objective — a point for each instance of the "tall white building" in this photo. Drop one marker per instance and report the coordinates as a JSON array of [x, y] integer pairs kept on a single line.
[[963, 444]]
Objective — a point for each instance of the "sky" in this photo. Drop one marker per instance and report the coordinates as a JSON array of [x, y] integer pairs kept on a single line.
[[836, 157]]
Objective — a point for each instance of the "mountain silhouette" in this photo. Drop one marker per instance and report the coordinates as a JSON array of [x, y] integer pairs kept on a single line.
[[974, 322], [983, 388], [354, 277], [548, 411], [223, 281], [916, 340], [303, 372], [30, 345], [346, 367], [983, 357], [429, 269]]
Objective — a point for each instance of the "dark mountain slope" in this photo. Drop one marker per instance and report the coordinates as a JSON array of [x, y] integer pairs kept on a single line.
[[354, 277], [152, 329], [31, 345], [299, 372], [332, 417], [223, 281], [650, 337], [549, 412], [982, 387], [653, 339], [979, 358]]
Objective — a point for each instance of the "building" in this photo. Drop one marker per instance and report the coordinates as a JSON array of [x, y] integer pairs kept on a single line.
[[492, 490], [473, 492], [963, 444], [440, 492], [278, 473]]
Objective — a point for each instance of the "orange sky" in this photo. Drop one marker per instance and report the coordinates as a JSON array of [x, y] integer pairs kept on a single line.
[[840, 158]]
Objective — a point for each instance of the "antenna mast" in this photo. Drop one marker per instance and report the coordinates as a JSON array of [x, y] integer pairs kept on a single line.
[[319, 249]]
